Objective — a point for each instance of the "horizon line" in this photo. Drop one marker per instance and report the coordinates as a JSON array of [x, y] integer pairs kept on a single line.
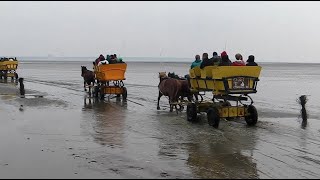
[[48, 59]]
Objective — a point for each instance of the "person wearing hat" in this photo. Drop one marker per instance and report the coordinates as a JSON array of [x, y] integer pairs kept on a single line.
[[225, 61]]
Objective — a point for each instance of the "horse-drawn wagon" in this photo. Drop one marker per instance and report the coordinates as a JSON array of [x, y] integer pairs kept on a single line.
[[109, 79], [8, 68], [227, 83]]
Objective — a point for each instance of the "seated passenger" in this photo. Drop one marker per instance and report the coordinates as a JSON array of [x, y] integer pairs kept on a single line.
[[112, 60], [115, 57], [215, 58], [250, 61], [239, 61], [120, 60], [103, 62], [225, 61], [205, 61], [100, 58], [196, 62], [108, 58]]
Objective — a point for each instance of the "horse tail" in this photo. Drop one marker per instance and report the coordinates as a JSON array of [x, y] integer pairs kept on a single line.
[[176, 90]]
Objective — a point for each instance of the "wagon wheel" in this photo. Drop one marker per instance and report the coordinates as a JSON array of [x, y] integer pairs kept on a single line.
[[191, 112], [253, 117], [213, 117], [101, 93], [5, 75], [101, 96], [96, 91], [124, 94]]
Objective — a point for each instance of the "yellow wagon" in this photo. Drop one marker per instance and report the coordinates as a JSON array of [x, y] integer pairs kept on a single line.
[[227, 83], [110, 80], [8, 69]]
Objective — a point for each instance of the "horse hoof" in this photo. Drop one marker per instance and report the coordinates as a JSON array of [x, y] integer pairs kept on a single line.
[[158, 108]]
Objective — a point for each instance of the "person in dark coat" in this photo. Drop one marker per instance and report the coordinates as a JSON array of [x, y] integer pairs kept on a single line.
[[206, 61], [225, 61], [215, 58], [250, 61], [100, 58]]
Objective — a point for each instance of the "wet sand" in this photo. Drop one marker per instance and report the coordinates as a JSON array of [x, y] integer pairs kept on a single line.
[[67, 134]]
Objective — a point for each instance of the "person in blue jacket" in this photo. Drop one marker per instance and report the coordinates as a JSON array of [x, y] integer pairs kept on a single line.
[[196, 62]]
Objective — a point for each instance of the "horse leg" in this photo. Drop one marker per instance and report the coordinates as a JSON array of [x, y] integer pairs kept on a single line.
[[160, 94], [196, 96], [175, 106], [84, 85], [170, 103]]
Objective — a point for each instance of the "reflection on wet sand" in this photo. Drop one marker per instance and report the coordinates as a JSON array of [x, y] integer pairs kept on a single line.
[[211, 153], [220, 161], [107, 120], [9, 81]]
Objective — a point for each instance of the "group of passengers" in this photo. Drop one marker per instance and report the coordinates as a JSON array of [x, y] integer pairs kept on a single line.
[[8, 59], [222, 60], [110, 59]]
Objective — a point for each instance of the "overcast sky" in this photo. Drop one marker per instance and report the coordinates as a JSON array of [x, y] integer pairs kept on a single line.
[[272, 31]]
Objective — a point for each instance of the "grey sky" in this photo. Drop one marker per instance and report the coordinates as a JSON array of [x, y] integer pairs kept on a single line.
[[272, 31]]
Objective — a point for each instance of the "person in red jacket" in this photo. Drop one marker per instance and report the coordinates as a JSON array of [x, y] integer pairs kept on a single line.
[[239, 60]]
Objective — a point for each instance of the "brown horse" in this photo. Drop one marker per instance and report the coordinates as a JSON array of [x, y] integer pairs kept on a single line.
[[88, 77], [169, 87], [185, 87]]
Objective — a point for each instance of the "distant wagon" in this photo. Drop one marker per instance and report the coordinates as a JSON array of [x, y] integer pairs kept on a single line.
[[8, 68], [227, 83], [110, 79]]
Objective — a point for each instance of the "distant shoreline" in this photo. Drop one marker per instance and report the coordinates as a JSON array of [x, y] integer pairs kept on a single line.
[[153, 62], [133, 60]]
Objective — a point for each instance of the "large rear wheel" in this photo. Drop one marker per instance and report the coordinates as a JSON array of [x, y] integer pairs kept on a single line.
[[213, 117], [252, 118], [96, 91], [191, 112], [101, 92], [124, 94], [5, 75]]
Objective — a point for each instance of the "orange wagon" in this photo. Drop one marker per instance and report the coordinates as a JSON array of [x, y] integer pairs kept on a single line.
[[110, 80]]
